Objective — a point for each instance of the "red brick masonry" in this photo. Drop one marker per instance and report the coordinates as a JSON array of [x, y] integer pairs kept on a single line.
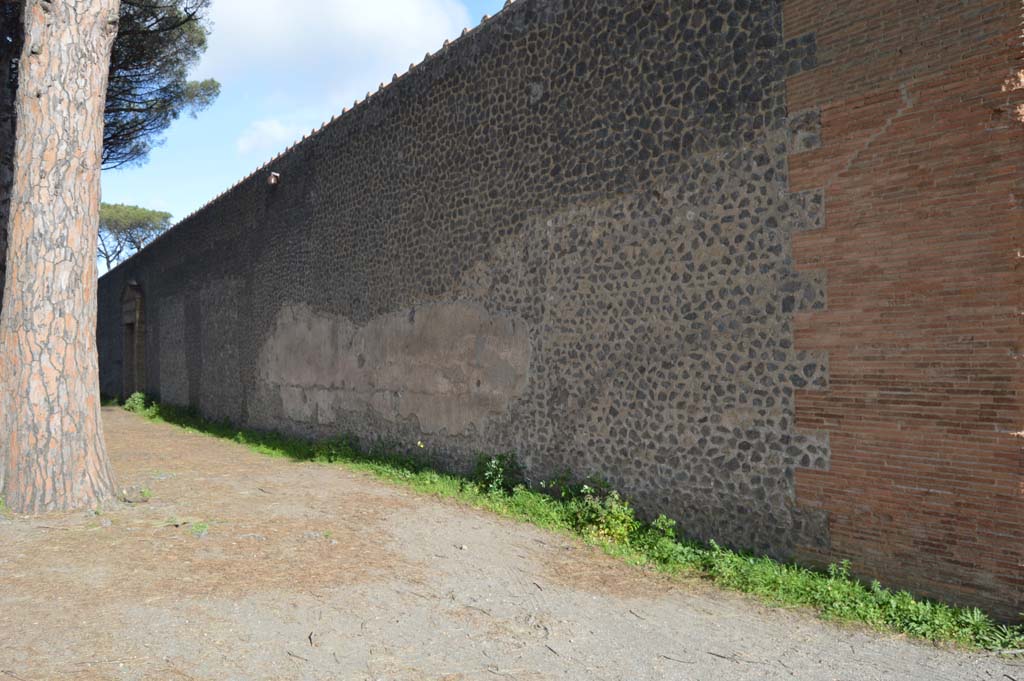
[[922, 166]]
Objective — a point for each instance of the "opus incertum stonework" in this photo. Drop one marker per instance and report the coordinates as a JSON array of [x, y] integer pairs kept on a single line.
[[575, 233]]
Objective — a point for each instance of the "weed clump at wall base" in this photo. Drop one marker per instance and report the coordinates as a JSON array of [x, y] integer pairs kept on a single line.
[[494, 474], [600, 515], [138, 403]]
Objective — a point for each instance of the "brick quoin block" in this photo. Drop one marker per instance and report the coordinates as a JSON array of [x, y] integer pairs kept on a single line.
[[921, 165]]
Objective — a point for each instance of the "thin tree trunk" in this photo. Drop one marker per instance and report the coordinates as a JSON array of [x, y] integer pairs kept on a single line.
[[50, 431]]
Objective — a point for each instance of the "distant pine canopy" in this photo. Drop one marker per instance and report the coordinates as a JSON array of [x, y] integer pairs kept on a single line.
[[126, 230]]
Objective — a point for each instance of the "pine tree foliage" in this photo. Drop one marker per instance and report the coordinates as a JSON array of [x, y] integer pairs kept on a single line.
[[158, 43], [126, 230]]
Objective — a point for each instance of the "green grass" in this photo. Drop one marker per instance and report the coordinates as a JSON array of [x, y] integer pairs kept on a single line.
[[599, 515]]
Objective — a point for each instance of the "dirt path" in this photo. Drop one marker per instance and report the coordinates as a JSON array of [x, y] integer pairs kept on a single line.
[[313, 572]]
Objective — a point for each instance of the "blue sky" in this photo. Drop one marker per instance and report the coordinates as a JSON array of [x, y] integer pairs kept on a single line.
[[284, 68]]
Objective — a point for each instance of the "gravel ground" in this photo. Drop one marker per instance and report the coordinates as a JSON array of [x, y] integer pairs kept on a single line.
[[249, 568]]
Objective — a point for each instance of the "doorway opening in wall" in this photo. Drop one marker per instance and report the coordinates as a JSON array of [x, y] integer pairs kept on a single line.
[[133, 366]]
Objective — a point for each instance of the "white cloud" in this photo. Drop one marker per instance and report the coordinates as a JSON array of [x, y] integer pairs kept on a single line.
[[269, 135], [281, 34], [288, 65]]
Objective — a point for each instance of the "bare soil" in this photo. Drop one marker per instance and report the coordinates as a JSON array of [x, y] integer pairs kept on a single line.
[[250, 568]]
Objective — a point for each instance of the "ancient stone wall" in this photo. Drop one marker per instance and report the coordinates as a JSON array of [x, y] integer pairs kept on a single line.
[[570, 234]]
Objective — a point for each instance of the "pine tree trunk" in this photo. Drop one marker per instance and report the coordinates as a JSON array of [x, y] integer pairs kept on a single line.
[[11, 25], [51, 437]]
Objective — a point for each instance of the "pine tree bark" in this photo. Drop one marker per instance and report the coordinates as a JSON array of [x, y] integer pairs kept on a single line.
[[11, 25], [51, 436]]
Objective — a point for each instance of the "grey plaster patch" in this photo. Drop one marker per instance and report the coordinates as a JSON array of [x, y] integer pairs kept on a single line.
[[450, 366]]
